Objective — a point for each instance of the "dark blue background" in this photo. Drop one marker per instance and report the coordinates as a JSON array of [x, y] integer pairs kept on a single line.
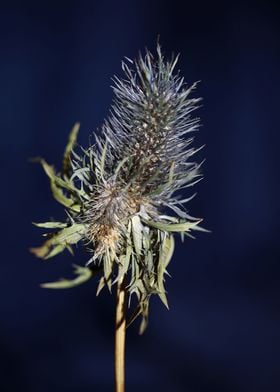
[[222, 333]]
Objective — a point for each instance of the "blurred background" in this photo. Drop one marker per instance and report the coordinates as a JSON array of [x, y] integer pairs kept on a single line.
[[222, 332]]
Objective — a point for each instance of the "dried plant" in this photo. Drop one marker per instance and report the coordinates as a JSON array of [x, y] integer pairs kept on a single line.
[[118, 191]]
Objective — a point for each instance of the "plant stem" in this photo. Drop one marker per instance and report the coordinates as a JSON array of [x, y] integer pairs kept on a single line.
[[120, 337]]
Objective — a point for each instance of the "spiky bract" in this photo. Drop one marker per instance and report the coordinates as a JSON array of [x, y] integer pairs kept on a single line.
[[117, 191]]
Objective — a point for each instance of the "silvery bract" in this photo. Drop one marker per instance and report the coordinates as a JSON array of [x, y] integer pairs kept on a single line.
[[119, 191]]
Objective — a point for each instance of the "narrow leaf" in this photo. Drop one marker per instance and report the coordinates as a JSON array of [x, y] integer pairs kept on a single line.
[[56, 184], [72, 139], [102, 159], [83, 273], [173, 227], [137, 233], [51, 225], [58, 241], [101, 284], [167, 250]]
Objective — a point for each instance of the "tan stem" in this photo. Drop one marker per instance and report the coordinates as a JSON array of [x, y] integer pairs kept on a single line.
[[120, 337]]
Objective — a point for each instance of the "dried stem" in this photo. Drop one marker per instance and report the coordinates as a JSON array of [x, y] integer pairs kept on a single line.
[[120, 328]]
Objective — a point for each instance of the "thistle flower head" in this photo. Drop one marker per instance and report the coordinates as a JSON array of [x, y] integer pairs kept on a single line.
[[119, 190]]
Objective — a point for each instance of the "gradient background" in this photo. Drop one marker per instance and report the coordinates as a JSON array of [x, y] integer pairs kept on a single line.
[[222, 333]]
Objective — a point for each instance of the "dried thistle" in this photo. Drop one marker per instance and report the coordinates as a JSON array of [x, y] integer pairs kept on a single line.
[[118, 191]]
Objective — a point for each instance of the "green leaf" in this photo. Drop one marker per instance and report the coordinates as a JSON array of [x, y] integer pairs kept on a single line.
[[56, 184], [84, 274], [102, 159], [101, 285], [47, 250], [72, 139], [145, 314], [162, 296], [62, 199], [56, 249], [59, 241], [125, 260], [108, 263], [70, 235], [137, 233], [172, 227], [134, 315], [70, 250], [81, 174], [135, 273], [51, 225], [167, 250], [165, 255]]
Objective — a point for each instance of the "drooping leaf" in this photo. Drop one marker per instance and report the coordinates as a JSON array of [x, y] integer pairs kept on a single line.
[[84, 274], [47, 250], [137, 311], [137, 233], [125, 262], [162, 295], [145, 314], [165, 255], [108, 263], [101, 285], [167, 250], [55, 250]]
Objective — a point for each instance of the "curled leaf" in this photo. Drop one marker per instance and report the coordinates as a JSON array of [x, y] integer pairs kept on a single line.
[[84, 274]]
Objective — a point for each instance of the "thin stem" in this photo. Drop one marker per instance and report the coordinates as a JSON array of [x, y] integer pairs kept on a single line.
[[120, 337]]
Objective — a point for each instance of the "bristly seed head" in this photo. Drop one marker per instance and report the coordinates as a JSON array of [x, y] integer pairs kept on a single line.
[[118, 191]]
